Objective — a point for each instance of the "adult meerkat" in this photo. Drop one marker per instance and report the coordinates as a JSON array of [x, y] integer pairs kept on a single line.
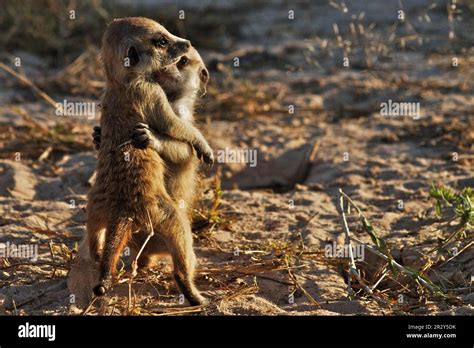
[[182, 82], [130, 190]]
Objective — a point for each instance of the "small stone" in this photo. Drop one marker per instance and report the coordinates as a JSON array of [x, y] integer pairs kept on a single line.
[[3, 303], [301, 187], [469, 298], [4, 275]]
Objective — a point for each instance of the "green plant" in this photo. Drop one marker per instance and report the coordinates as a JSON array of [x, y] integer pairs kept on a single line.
[[458, 203]]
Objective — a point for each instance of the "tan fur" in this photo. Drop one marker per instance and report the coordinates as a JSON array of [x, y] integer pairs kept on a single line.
[[126, 191], [183, 83]]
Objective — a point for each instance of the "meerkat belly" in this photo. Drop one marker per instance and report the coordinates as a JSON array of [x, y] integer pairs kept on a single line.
[[144, 172], [132, 178]]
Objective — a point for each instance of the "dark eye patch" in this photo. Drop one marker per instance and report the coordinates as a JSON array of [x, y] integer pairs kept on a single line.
[[160, 42]]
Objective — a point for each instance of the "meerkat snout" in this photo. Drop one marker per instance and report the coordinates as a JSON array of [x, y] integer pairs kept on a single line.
[[179, 48]]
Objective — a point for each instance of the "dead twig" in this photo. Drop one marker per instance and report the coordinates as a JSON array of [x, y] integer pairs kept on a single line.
[[352, 265], [169, 311], [84, 312], [381, 249], [29, 83], [245, 290], [298, 285], [57, 265], [412, 273], [458, 253], [135, 261]]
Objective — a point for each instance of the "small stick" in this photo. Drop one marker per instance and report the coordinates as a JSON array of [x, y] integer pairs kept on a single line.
[[45, 153], [457, 254], [398, 266], [151, 234], [245, 290], [135, 261], [384, 273], [352, 266], [310, 219], [57, 287], [298, 285], [274, 280], [50, 245], [90, 305], [433, 287], [123, 144], [58, 265], [29, 83], [244, 269], [14, 306], [194, 310]]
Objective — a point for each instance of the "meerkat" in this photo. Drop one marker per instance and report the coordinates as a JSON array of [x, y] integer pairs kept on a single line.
[[182, 82], [146, 50], [130, 191]]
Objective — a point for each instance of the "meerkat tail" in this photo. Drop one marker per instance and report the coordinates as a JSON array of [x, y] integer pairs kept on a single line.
[[118, 234]]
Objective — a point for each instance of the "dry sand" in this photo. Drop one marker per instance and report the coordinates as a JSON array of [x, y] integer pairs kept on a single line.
[[379, 161]]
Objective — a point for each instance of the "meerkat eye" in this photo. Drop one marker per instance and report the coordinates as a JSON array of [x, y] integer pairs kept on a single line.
[[183, 61], [161, 42]]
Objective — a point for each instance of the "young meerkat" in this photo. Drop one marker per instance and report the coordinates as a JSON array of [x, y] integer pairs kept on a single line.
[[183, 83], [130, 190]]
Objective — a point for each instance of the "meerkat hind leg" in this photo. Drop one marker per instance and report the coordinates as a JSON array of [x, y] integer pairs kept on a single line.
[[118, 234], [152, 251], [179, 241], [184, 261], [95, 236]]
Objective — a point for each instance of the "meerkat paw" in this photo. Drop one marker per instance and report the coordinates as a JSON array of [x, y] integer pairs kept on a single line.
[[204, 153], [189, 291], [142, 137], [96, 137]]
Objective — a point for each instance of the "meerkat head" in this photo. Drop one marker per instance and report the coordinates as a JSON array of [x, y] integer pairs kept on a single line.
[[138, 46], [187, 78]]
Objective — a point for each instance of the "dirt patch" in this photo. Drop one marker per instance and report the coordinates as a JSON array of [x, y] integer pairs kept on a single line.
[[315, 125]]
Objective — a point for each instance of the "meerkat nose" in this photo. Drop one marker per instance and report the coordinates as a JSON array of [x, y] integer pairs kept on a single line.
[[185, 44], [180, 47]]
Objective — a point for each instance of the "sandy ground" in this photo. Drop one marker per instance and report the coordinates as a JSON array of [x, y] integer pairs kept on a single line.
[[267, 253]]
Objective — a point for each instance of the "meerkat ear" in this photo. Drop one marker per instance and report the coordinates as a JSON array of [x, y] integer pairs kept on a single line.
[[204, 77], [132, 55]]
